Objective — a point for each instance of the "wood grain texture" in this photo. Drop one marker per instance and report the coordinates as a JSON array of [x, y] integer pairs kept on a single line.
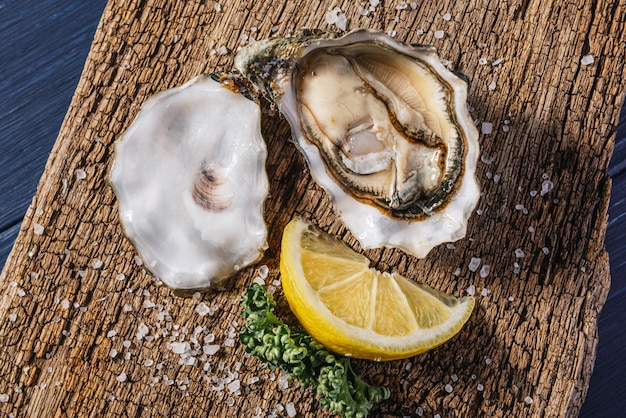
[[69, 321]]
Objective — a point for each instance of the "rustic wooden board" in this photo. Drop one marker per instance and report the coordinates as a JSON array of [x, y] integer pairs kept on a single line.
[[69, 320]]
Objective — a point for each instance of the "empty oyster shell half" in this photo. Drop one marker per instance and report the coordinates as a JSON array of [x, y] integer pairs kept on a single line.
[[384, 127], [189, 175]]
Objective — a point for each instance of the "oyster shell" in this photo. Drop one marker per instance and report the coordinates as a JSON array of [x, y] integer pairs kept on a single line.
[[189, 175], [384, 127]]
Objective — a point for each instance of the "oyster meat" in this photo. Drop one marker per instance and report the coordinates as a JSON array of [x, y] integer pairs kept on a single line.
[[384, 127], [189, 175]]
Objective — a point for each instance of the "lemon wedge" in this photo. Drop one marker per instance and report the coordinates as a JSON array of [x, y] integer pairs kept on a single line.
[[356, 310]]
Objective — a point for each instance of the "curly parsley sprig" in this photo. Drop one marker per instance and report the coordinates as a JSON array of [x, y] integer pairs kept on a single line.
[[341, 391]]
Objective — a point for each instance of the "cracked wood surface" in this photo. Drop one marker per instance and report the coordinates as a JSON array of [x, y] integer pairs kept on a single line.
[[75, 301]]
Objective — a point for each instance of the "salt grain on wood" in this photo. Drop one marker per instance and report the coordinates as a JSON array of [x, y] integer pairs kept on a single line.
[[38, 229], [290, 409], [486, 128], [80, 174], [546, 186], [202, 309], [587, 60], [484, 271], [473, 264]]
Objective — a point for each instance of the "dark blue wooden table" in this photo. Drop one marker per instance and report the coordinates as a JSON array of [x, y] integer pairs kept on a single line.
[[44, 47]]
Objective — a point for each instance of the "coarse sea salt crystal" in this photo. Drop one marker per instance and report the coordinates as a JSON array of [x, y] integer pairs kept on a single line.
[[234, 386], [38, 229], [448, 388], [486, 128], [473, 264], [179, 348], [471, 290], [486, 159], [447, 16], [264, 271], [290, 408], [482, 61], [4, 398], [528, 400], [12, 317], [210, 349], [80, 174], [222, 50], [484, 271], [587, 60], [142, 330], [519, 253], [121, 377], [492, 86], [335, 17], [283, 383], [96, 264], [546, 186], [402, 6], [439, 34], [202, 309]]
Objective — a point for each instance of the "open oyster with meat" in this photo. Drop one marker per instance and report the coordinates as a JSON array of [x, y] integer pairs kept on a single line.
[[385, 130]]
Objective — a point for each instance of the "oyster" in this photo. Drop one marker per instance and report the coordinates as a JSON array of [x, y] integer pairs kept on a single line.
[[189, 175], [384, 127]]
